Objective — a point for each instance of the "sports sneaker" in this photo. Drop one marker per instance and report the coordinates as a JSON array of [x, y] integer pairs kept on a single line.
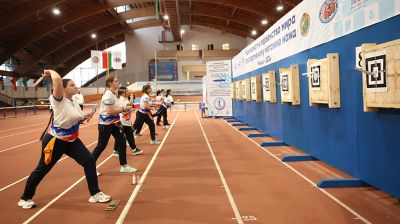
[[98, 174], [99, 197], [115, 153], [127, 143], [26, 204], [155, 142], [138, 134], [127, 169], [137, 151], [166, 126]]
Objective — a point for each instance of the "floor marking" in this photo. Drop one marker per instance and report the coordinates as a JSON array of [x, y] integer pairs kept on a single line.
[[4, 150], [308, 180], [66, 191], [221, 175], [21, 127], [24, 178], [128, 205]]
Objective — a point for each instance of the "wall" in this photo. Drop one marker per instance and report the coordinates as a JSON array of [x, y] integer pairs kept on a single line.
[[141, 46], [362, 144]]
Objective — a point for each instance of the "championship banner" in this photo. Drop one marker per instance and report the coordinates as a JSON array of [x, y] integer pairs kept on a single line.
[[218, 87], [309, 24]]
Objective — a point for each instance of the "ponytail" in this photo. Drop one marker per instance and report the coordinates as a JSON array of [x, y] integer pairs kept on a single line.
[[48, 124]]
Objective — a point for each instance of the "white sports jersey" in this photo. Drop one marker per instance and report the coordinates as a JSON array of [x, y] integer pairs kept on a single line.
[[125, 117], [144, 99], [168, 101], [78, 99], [108, 100], [66, 120]]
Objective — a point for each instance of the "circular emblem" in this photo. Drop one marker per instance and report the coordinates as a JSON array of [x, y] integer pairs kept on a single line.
[[305, 24], [328, 10], [95, 59], [219, 103]]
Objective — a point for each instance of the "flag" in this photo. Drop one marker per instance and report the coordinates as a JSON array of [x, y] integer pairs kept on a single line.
[[116, 60], [2, 82], [107, 61], [25, 82], [157, 16], [14, 83], [96, 59], [37, 86]]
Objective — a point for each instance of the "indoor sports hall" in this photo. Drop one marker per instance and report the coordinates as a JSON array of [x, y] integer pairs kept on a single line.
[[200, 111]]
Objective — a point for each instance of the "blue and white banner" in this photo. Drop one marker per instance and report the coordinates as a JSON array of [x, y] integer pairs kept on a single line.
[[218, 87], [309, 24]]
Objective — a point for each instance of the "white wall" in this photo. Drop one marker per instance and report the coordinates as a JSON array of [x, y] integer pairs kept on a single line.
[[141, 46]]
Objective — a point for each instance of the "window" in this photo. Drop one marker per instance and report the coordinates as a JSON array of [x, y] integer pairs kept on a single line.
[[9, 65], [195, 47], [123, 8], [225, 46]]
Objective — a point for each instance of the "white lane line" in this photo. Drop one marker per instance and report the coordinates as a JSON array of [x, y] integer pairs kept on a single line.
[[221, 175], [21, 127], [35, 130], [24, 178], [14, 147], [128, 205], [66, 191], [308, 180]]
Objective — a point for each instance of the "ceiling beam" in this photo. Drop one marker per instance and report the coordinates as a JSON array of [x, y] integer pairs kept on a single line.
[[23, 10], [171, 6]]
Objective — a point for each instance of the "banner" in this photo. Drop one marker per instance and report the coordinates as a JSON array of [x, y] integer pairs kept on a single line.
[[309, 24], [218, 85]]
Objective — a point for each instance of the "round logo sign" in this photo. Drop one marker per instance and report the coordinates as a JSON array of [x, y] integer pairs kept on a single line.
[[305, 24], [328, 10], [219, 103], [95, 59]]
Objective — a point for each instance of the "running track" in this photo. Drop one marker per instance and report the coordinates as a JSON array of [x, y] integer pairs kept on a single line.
[[205, 171]]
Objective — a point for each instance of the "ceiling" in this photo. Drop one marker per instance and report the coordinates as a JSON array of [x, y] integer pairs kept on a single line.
[[36, 38]]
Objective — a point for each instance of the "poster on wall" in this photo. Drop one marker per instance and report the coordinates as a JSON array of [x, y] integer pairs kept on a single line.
[[218, 84], [309, 24]]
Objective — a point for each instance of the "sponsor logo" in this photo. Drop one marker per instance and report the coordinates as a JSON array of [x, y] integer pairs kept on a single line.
[[328, 10], [305, 24], [219, 103]]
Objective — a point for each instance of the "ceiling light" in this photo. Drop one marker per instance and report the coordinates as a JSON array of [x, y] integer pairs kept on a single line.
[[264, 22], [279, 7], [166, 17], [56, 11], [182, 31], [94, 36], [254, 32]]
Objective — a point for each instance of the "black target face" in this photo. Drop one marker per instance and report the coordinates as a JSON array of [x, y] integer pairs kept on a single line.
[[285, 82], [267, 84], [376, 63], [315, 77]]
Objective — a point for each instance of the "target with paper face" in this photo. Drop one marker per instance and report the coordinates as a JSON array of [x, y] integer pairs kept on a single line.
[[376, 63], [316, 77], [285, 82]]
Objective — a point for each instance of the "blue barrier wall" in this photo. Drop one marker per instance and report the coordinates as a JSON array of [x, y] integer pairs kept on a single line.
[[364, 144]]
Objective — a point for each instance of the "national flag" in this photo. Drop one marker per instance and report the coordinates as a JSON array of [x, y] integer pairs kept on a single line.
[[157, 15], [2, 82], [107, 60], [96, 59], [25, 82], [14, 83], [116, 60]]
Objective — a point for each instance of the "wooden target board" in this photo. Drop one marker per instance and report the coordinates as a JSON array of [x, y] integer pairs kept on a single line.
[[269, 87], [323, 81], [246, 89], [289, 85], [381, 89], [255, 86]]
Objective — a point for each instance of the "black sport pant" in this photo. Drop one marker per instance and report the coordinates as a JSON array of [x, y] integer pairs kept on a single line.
[[77, 151], [128, 131], [105, 132], [145, 118], [162, 112]]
